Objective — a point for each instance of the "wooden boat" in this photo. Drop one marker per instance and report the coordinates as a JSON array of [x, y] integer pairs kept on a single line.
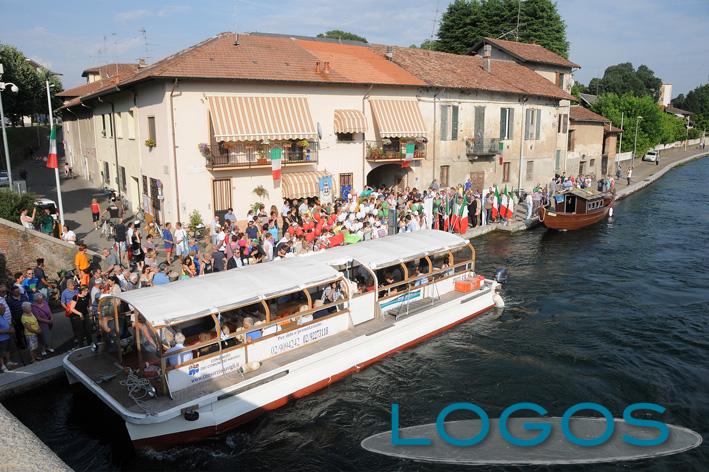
[[575, 209], [190, 377]]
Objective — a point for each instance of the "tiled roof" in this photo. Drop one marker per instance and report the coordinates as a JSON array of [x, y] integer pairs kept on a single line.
[[579, 113], [609, 128], [440, 69], [588, 98], [86, 89], [111, 70], [529, 52], [677, 111], [278, 58]]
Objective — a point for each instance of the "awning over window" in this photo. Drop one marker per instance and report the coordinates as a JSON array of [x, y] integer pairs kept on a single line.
[[304, 184], [350, 121], [397, 118], [259, 118]]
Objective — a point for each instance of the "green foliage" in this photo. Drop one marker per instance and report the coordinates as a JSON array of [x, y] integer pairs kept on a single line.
[[696, 101], [654, 128], [429, 44], [32, 95], [623, 78], [343, 35], [577, 89], [22, 142], [466, 22], [195, 222], [12, 203]]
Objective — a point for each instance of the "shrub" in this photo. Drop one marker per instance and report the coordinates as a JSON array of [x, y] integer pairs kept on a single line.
[[12, 203]]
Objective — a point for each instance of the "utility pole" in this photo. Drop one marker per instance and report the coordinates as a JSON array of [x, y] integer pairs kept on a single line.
[[635, 144], [620, 144], [686, 141]]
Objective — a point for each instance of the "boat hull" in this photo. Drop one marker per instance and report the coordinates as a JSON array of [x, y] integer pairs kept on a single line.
[[308, 375], [572, 221]]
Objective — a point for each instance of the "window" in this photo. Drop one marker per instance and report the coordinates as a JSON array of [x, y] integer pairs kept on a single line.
[[592, 165], [559, 79], [145, 185], [345, 137], [506, 122], [572, 140], [151, 129], [563, 123], [104, 126], [449, 122], [346, 180], [119, 125], [532, 124], [445, 170], [557, 163], [582, 167], [106, 174], [221, 193], [130, 123], [506, 172], [530, 170], [122, 178]]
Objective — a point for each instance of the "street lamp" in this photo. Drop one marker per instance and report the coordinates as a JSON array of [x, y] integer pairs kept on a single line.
[[635, 144], [14, 89]]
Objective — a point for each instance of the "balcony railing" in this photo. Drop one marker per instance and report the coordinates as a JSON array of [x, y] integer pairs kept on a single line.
[[482, 147], [377, 151], [245, 155]]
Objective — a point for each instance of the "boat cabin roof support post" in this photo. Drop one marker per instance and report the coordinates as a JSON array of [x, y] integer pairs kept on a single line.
[[430, 264], [116, 327], [309, 298], [267, 310], [138, 347]]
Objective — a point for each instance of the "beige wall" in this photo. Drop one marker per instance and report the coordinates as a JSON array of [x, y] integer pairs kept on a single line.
[[588, 148], [80, 144]]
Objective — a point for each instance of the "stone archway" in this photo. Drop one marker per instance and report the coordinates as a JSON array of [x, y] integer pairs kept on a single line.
[[388, 175]]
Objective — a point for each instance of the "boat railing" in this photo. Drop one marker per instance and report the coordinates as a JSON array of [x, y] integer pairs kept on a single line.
[[436, 275]]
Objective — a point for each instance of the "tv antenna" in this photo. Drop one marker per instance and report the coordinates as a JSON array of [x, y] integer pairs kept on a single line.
[[146, 49]]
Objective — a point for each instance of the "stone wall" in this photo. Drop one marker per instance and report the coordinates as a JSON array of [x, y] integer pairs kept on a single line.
[[21, 248]]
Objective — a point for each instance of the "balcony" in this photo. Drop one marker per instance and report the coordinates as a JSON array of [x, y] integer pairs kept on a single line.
[[392, 150], [482, 147], [245, 155]]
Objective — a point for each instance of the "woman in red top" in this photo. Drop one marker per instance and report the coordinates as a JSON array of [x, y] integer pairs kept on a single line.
[[95, 212]]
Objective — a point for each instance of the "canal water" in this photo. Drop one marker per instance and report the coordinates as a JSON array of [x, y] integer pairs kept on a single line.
[[615, 314]]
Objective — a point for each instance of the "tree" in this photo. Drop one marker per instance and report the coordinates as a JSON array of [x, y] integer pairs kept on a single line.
[[466, 22], [342, 35], [696, 101], [623, 78], [32, 97]]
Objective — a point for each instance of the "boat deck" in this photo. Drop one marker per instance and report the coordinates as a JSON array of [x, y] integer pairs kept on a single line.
[[105, 370]]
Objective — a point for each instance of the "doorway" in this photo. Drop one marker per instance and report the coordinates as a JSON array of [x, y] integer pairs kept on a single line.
[[135, 193]]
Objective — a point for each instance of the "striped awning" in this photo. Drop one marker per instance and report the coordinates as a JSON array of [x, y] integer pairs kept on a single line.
[[260, 118], [350, 121], [303, 184], [398, 118]]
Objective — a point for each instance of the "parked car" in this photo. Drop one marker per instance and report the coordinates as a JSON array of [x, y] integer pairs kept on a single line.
[[42, 203], [4, 179], [651, 156]]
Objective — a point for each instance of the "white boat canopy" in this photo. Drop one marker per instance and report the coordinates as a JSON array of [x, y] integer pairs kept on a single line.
[[183, 300], [384, 252], [192, 298]]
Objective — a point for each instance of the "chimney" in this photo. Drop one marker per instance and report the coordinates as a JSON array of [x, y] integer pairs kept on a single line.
[[487, 52], [390, 53], [317, 67], [141, 62], [326, 67]]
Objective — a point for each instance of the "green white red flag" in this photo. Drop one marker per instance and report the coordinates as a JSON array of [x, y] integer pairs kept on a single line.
[[463, 216], [496, 204], [504, 203], [52, 161], [275, 155]]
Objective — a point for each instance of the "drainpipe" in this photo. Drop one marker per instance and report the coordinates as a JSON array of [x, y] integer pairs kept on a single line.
[[521, 147], [364, 141], [174, 149], [115, 143]]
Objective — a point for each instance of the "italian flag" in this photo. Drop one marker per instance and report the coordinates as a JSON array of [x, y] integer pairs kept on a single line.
[[463, 216], [495, 204], [275, 155], [504, 204], [410, 148], [52, 161], [446, 212]]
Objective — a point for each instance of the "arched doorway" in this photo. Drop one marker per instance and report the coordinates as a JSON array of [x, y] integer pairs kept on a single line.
[[388, 175]]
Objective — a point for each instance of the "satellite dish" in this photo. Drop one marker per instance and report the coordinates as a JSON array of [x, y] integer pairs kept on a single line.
[[319, 131]]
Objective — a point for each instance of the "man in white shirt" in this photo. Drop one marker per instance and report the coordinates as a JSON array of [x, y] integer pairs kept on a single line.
[[181, 358], [181, 243], [214, 229], [268, 246]]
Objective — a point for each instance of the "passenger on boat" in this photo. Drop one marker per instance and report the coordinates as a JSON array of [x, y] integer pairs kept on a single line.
[[227, 341], [417, 275], [304, 318], [252, 335], [182, 357], [320, 313]]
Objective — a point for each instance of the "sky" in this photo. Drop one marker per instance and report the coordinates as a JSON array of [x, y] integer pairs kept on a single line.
[[669, 36]]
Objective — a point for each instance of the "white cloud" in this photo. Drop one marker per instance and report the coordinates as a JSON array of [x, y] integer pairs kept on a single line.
[[131, 15]]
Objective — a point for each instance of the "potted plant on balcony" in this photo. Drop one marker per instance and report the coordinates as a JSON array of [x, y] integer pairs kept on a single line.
[[303, 143], [206, 151], [150, 143], [261, 157], [260, 192]]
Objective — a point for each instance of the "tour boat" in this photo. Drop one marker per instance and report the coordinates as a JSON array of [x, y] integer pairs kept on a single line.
[[318, 318], [575, 209]]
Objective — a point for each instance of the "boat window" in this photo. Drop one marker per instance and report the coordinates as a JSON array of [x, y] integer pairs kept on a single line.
[[463, 259], [441, 263], [391, 279], [570, 204]]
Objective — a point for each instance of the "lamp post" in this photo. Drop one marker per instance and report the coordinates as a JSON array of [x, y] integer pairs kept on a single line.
[[635, 144], [14, 89]]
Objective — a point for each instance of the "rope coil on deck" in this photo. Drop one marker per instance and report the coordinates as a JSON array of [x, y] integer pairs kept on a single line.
[[139, 389]]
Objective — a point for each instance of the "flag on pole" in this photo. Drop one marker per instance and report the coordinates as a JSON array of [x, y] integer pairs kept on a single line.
[[496, 204], [446, 213], [503, 203], [52, 162], [453, 224], [275, 155], [463, 216]]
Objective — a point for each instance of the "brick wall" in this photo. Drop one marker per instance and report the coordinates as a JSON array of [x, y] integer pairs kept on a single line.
[[21, 248]]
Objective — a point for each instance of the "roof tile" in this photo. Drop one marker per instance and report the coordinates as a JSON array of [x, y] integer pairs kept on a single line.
[[531, 52]]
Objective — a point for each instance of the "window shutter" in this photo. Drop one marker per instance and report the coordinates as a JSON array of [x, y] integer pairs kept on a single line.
[[511, 123], [454, 122], [566, 122], [503, 123], [527, 123], [537, 133], [444, 122]]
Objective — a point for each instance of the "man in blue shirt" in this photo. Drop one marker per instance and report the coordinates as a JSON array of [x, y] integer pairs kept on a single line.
[[161, 278], [68, 295], [168, 242]]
